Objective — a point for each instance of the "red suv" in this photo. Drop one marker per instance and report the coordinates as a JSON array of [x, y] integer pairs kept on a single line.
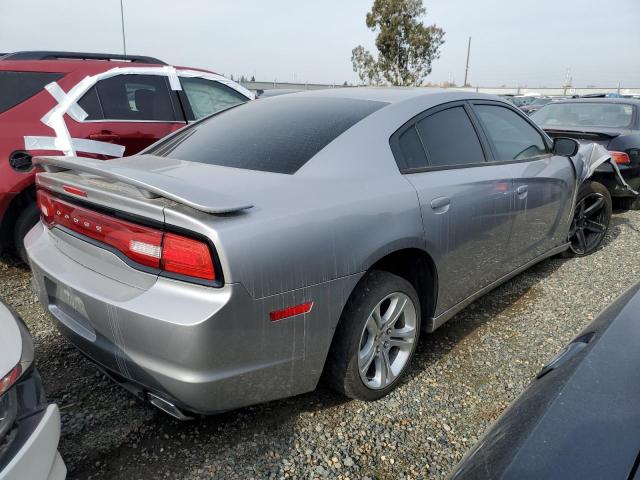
[[94, 105]]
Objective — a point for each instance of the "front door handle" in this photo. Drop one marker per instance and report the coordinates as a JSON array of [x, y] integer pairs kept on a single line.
[[522, 190], [440, 204]]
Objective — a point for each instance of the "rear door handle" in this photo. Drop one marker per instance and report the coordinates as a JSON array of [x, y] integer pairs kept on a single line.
[[522, 190], [440, 204], [105, 137]]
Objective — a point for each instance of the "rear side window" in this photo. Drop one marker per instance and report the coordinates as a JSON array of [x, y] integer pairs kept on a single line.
[[207, 97], [131, 98], [277, 134], [512, 136], [413, 155], [450, 139], [16, 87]]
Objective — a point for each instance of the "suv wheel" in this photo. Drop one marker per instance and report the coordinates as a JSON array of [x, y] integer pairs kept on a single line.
[[25, 222], [376, 338]]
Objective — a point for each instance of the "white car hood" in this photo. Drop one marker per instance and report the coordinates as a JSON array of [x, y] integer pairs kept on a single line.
[[10, 341]]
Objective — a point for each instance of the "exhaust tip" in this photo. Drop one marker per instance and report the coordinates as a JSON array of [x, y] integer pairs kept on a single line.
[[167, 407]]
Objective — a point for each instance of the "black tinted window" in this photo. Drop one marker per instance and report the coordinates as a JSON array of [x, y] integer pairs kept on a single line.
[[16, 87], [411, 149], [278, 134], [207, 97], [512, 136], [450, 139], [90, 104], [130, 97]]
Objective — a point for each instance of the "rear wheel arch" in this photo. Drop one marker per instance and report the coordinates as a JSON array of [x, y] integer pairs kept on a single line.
[[419, 269]]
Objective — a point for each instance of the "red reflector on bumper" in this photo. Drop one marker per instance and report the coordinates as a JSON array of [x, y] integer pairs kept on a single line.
[[290, 311]]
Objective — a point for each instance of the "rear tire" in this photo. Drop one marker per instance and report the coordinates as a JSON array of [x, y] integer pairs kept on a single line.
[[25, 222], [376, 338], [590, 221]]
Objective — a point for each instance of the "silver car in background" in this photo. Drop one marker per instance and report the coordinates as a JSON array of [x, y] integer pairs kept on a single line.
[[241, 258], [29, 428]]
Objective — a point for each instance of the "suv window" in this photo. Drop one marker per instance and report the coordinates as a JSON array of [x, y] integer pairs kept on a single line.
[[450, 138], [16, 87], [207, 97], [512, 136], [129, 97]]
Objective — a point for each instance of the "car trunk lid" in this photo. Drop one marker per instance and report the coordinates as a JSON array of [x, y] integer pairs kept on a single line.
[[146, 177], [600, 135]]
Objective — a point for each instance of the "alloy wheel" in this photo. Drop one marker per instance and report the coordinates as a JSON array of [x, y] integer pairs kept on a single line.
[[589, 224], [387, 340]]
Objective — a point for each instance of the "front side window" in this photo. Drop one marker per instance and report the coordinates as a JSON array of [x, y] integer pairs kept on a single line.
[[450, 139], [512, 136], [207, 97], [129, 97]]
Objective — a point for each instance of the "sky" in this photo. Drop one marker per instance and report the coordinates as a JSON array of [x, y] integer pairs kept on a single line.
[[514, 42]]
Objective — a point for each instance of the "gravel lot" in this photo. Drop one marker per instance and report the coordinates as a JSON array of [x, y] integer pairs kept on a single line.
[[463, 377]]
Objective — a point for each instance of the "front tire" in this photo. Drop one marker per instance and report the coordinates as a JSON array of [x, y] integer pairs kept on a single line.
[[25, 222], [376, 337], [591, 218]]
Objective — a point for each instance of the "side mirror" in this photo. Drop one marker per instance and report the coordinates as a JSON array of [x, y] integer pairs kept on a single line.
[[566, 147]]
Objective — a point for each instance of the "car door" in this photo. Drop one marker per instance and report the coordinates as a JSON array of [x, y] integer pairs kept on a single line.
[[129, 110], [543, 183], [202, 97], [465, 201]]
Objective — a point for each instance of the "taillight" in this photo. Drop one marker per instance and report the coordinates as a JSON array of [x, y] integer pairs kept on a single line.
[[621, 158], [10, 378], [146, 246], [187, 256]]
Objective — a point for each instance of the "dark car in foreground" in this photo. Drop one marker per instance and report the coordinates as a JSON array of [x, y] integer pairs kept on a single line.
[[217, 270], [580, 417], [614, 123], [29, 427]]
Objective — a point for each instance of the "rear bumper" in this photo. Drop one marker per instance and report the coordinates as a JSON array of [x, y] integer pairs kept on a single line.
[[38, 458], [204, 349], [631, 175]]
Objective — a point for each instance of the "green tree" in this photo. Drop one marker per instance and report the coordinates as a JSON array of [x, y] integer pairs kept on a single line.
[[253, 78], [406, 47], [365, 66]]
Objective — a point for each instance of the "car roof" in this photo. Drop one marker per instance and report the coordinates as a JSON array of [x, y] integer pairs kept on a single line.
[[392, 94], [626, 101]]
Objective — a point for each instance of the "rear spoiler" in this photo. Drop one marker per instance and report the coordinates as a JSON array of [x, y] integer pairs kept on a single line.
[[150, 184], [581, 133]]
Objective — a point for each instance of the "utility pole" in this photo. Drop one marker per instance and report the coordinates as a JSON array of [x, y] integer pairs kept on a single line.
[[466, 68], [124, 41]]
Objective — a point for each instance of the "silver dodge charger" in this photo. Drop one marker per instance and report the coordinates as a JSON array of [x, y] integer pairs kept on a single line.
[[313, 234]]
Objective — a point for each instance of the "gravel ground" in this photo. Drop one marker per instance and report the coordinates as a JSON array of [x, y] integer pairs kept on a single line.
[[462, 378]]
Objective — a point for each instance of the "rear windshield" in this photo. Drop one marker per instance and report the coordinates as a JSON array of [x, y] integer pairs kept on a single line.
[[16, 87], [276, 135], [584, 115]]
